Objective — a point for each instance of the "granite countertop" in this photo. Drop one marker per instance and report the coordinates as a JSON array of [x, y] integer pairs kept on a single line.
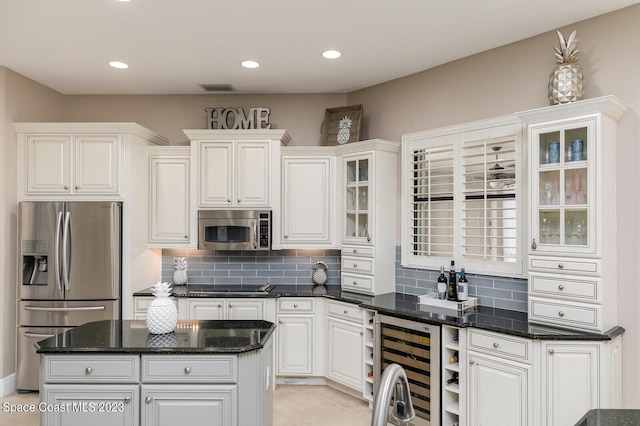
[[133, 337], [407, 306], [610, 417]]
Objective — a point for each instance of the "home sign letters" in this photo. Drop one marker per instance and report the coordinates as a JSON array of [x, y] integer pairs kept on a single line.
[[235, 118]]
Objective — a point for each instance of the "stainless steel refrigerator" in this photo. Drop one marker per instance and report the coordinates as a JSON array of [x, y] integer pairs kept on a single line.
[[69, 273]]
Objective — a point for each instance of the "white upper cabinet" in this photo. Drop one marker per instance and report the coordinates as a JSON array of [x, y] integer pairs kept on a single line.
[[237, 168], [76, 159], [308, 198], [573, 265], [462, 197], [169, 197]]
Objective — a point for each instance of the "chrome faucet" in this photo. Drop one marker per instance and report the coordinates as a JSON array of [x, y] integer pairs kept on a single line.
[[394, 377]]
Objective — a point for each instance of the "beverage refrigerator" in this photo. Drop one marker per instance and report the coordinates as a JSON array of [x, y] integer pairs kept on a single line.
[[69, 273]]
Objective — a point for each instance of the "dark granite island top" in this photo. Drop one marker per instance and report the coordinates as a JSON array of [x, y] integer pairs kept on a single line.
[[133, 337], [610, 417]]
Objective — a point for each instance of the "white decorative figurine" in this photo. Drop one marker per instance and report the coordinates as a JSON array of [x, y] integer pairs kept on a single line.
[[180, 270], [162, 315]]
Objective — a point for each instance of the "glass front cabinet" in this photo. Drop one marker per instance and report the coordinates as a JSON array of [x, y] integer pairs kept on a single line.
[[357, 214], [573, 242]]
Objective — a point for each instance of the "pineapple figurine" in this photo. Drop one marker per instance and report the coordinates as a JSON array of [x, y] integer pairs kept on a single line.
[[180, 270], [344, 130], [162, 315], [566, 82]]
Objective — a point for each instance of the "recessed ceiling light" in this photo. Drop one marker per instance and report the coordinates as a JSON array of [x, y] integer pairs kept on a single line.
[[331, 54], [250, 64], [119, 65]]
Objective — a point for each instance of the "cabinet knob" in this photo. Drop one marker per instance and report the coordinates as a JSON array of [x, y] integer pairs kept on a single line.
[[355, 265], [127, 399], [279, 321], [471, 361], [88, 370], [186, 237], [295, 305], [560, 287], [77, 187], [534, 245], [219, 305], [560, 314], [346, 312], [362, 333], [239, 200], [560, 265], [286, 236], [66, 187], [148, 400], [187, 370], [355, 283], [495, 345], [355, 250], [230, 305], [368, 238], [228, 200], [550, 351]]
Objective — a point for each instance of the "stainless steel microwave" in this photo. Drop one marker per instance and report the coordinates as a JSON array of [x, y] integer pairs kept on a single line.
[[234, 229]]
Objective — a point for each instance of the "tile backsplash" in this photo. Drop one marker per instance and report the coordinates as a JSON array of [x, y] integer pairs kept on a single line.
[[293, 267]]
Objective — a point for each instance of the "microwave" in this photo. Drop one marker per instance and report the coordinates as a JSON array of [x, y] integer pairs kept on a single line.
[[234, 230]]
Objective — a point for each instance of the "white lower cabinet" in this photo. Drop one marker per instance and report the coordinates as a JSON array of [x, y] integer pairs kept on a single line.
[[295, 345], [500, 391], [345, 345], [170, 405]]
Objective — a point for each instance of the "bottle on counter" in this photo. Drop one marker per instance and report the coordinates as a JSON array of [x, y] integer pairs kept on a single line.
[[442, 284], [452, 288], [463, 287]]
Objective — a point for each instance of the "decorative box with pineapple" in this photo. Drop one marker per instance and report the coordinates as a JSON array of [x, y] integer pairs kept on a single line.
[[162, 315]]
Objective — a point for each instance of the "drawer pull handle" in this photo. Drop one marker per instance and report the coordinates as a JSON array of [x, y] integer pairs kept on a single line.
[[295, 305], [187, 370], [495, 345], [561, 313], [534, 245], [550, 351], [127, 399], [560, 265], [88, 370], [560, 287], [148, 400]]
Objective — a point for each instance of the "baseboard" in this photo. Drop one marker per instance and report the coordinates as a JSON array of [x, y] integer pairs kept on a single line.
[[8, 385]]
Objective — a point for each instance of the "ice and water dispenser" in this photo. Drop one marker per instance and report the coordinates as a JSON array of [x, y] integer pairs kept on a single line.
[[35, 262]]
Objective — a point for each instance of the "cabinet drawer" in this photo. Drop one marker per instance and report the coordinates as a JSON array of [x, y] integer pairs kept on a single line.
[[364, 251], [500, 344], [189, 369], [566, 265], [357, 264], [94, 368], [295, 305], [354, 282], [567, 314], [584, 289], [346, 311]]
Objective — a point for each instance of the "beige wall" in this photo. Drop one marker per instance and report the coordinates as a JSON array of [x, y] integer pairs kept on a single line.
[[21, 99], [498, 82]]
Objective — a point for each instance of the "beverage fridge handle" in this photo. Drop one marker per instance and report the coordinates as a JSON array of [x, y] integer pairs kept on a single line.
[[65, 250], [57, 250]]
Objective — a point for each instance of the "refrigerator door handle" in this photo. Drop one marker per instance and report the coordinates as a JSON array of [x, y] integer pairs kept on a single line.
[[65, 249], [77, 308], [57, 251]]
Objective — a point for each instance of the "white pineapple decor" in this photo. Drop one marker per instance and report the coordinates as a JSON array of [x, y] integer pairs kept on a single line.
[[162, 315], [344, 130], [180, 270], [566, 82]]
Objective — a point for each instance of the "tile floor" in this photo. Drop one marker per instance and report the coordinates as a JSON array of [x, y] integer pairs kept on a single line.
[[293, 405]]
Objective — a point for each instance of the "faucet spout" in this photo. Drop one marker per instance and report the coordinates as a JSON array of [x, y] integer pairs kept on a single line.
[[393, 378]]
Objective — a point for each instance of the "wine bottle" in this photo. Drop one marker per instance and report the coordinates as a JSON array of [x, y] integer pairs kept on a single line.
[[452, 289], [454, 358], [453, 379], [463, 287], [442, 284]]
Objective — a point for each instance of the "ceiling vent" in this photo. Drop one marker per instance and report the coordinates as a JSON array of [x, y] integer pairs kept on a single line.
[[217, 87]]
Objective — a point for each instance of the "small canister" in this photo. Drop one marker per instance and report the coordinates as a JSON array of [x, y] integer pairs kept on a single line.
[[554, 152], [576, 150]]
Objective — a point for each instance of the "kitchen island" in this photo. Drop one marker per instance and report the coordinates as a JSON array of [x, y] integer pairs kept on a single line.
[[117, 373]]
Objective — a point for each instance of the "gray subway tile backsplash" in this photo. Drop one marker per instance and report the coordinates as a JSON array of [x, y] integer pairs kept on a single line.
[[294, 267]]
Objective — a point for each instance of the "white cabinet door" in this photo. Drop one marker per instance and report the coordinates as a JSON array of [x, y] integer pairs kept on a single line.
[[571, 385], [170, 405], [245, 309], [295, 344], [170, 201], [48, 165], [207, 309], [95, 405], [307, 209], [499, 392], [96, 164], [216, 173], [253, 177], [345, 356]]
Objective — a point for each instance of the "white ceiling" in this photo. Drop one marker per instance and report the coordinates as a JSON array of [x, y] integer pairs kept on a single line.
[[173, 46]]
